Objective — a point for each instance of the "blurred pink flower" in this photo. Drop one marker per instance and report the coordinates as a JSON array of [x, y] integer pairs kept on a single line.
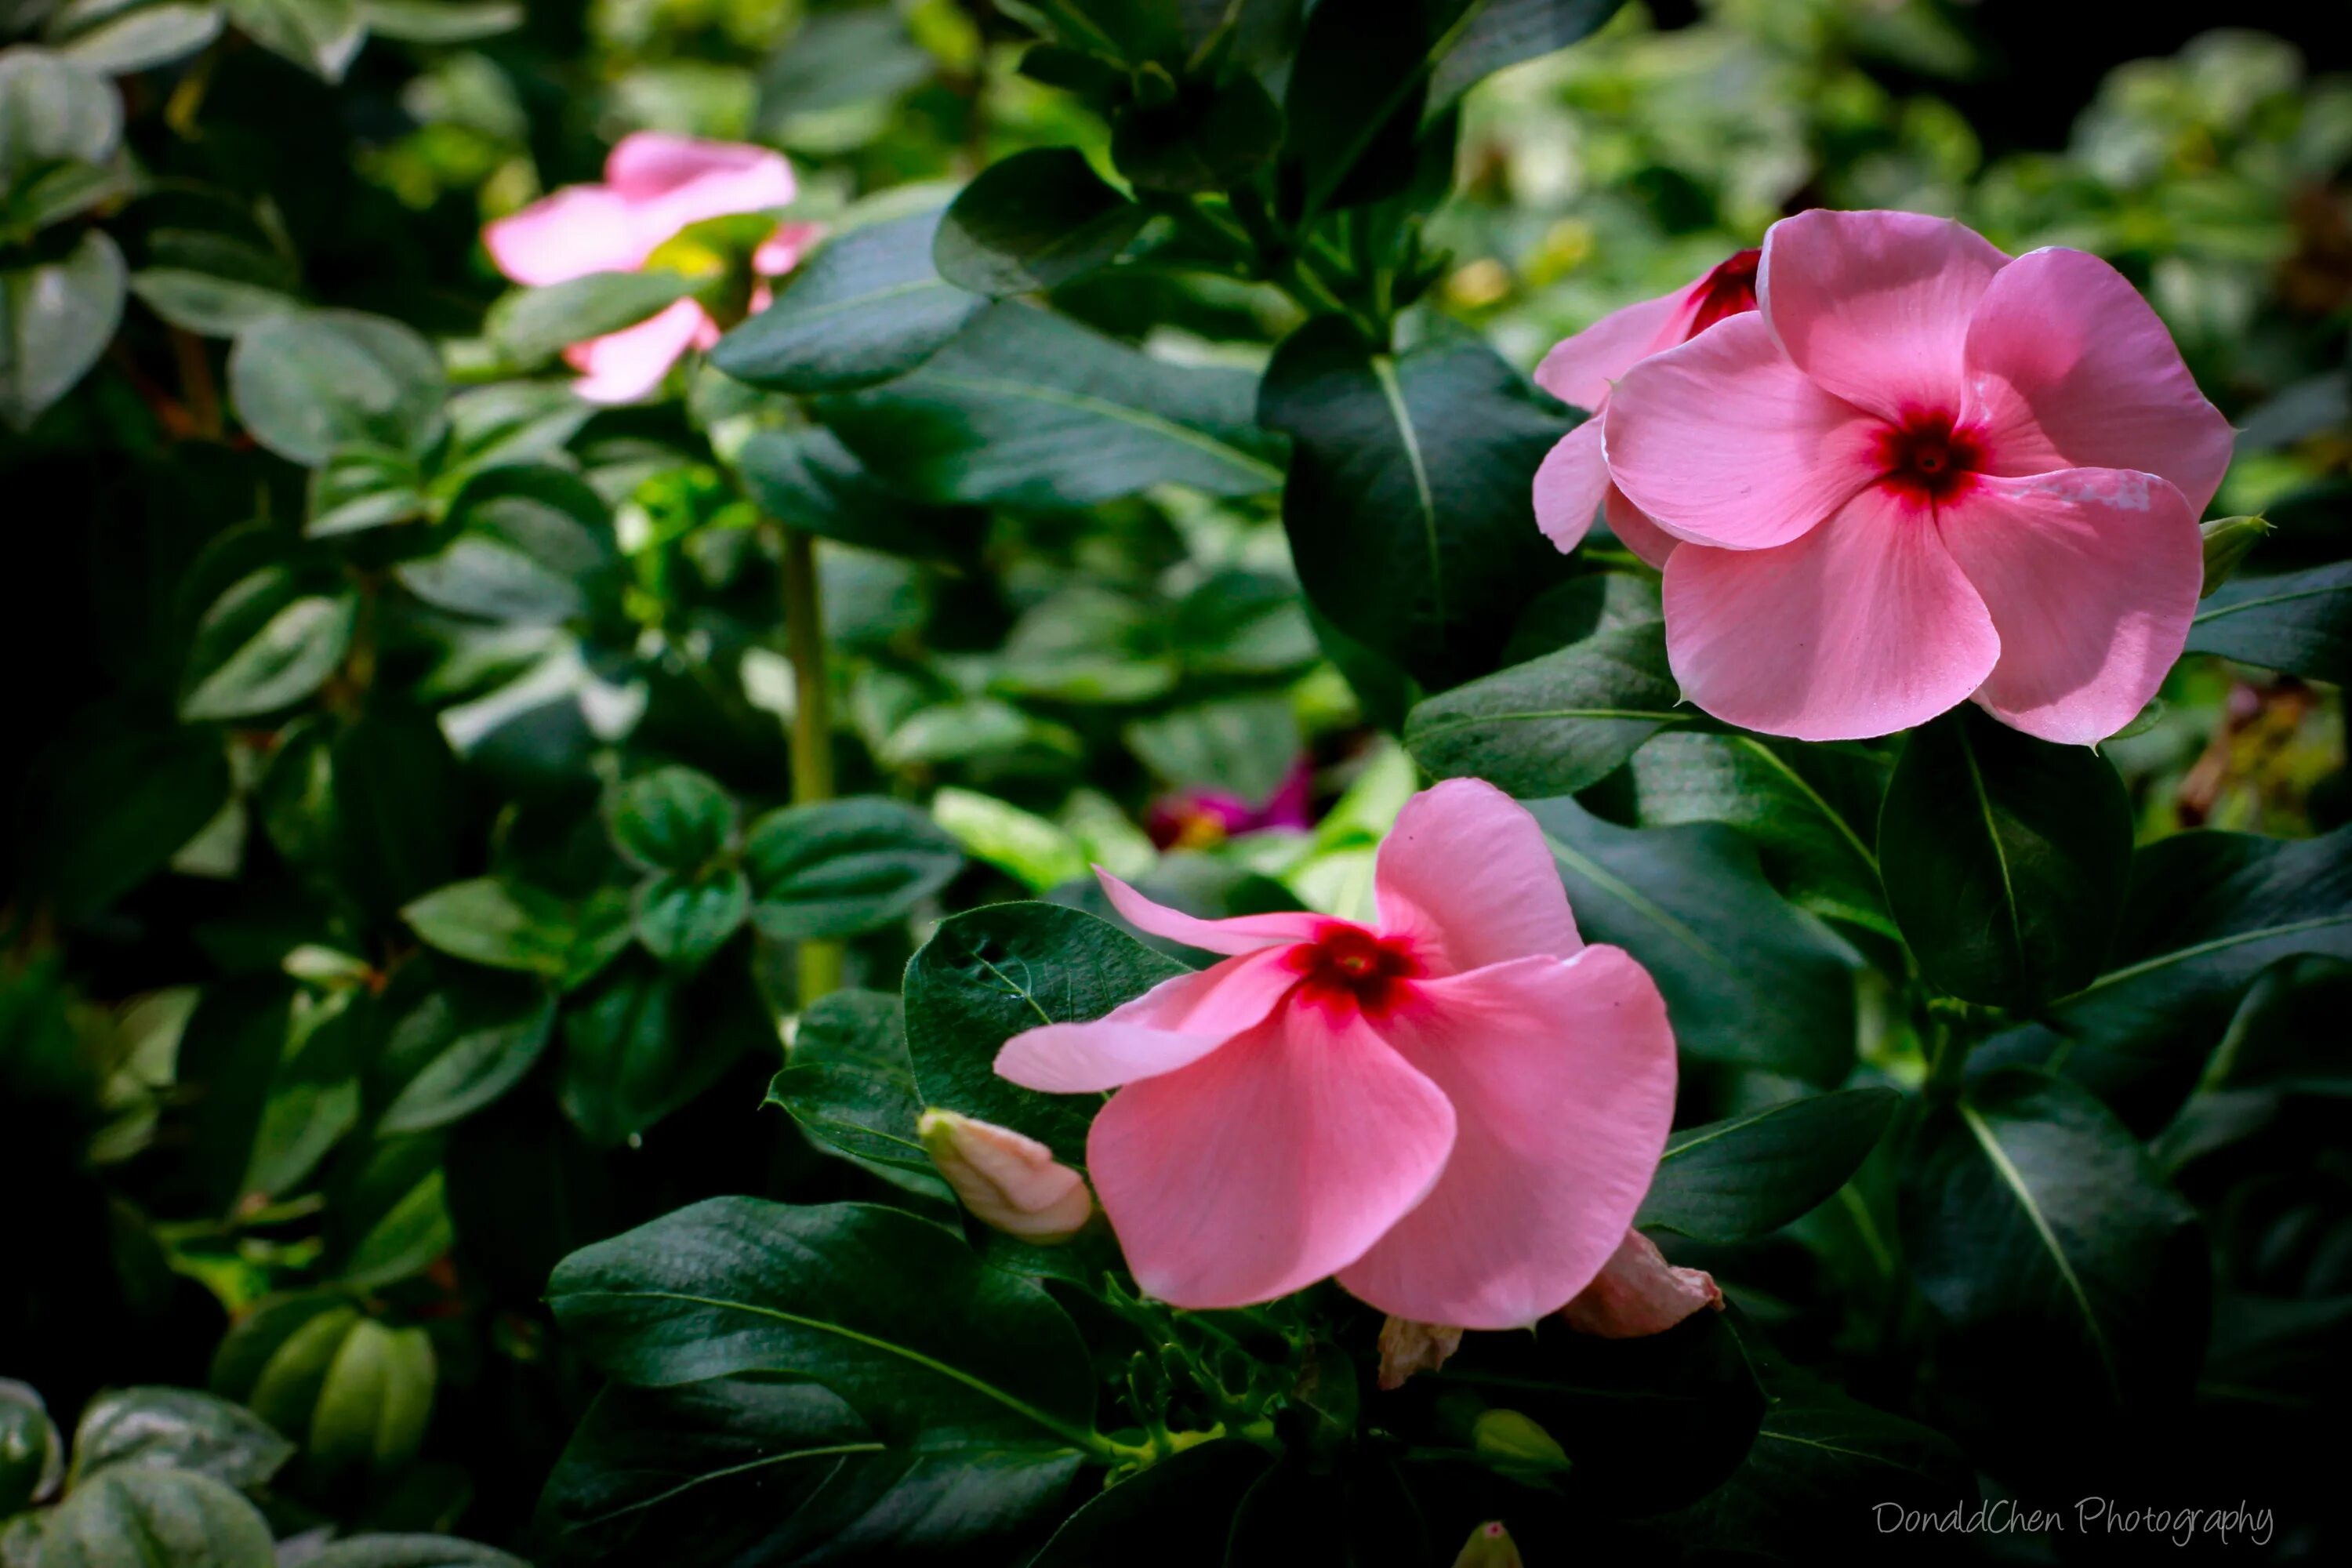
[[1573, 482], [1921, 472], [654, 184], [1455, 1110], [1193, 819]]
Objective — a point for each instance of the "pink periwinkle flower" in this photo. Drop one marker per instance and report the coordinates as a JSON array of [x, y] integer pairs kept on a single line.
[[654, 184], [1455, 1110], [1191, 819], [1921, 472], [1573, 482]]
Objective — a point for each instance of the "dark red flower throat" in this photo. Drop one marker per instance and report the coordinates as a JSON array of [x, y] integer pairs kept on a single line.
[[1927, 458], [1729, 290], [1347, 969]]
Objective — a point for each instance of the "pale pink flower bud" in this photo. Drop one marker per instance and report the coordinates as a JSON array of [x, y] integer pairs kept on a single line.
[[1408, 1347], [1009, 1181], [1489, 1546], [1638, 1293]]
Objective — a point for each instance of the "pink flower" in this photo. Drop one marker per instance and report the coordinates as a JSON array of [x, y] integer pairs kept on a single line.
[[1573, 482], [1457, 1110], [1922, 472], [1190, 819], [654, 184]]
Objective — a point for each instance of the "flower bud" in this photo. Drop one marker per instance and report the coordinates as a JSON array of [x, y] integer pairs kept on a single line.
[[1407, 1347], [1638, 1293], [1518, 1446], [1489, 1546], [1009, 1181]]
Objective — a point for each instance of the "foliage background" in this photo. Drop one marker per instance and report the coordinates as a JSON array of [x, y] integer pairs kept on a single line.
[[218, 989]]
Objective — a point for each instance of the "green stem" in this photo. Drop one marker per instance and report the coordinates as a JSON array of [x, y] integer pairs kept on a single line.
[[820, 961]]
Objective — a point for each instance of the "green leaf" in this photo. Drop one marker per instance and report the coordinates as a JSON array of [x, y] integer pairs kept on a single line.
[[2299, 622], [1749, 1176], [671, 819], [206, 303], [1028, 408], [1502, 33], [1557, 723], [178, 1429], [32, 1454], [1211, 138], [1408, 504], [989, 974], [891, 1312], [838, 59], [868, 307], [509, 925], [441, 22], [844, 867], [739, 1469], [387, 1217], [319, 36], [307, 383], [532, 326], [807, 479], [2031, 1213], [359, 488], [534, 547], [1355, 99], [850, 1085], [1033, 221], [1747, 978], [1245, 745], [2005, 858], [274, 1359], [265, 645], [1086, 644], [372, 1404], [58, 125], [1175, 1514], [312, 1099], [644, 1041], [140, 1515], [461, 1048], [115, 803], [56, 318], [685, 917]]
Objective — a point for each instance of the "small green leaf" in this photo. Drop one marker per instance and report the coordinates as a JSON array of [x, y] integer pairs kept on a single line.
[[2298, 622], [305, 384], [319, 36], [850, 1085], [138, 1516], [1033, 221], [868, 307], [844, 867], [56, 318], [1557, 723], [1749, 1176], [671, 819], [460, 1049], [372, 1404], [265, 645], [685, 917], [502, 924], [205, 303], [178, 1429], [441, 22], [533, 325]]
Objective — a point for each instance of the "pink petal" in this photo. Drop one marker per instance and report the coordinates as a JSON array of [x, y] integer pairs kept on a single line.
[[1466, 877], [1723, 441], [1569, 485], [1579, 370], [1562, 1081], [2092, 576], [1862, 628], [576, 231], [1635, 529], [1269, 1164], [622, 367], [1174, 1024], [675, 181], [1245, 933], [1875, 306], [1638, 1293], [1008, 1180], [2069, 368], [782, 252]]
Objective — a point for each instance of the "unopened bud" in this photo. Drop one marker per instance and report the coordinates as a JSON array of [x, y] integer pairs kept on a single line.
[[1010, 1183], [1407, 1347], [1638, 1293], [1489, 1546], [1518, 1446]]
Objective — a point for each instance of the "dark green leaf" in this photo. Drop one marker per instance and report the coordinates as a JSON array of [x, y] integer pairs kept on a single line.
[[844, 867], [1555, 725], [140, 1515], [1245, 745], [868, 307], [264, 645], [1408, 504], [684, 917], [506, 925], [1035, 220], [1176, 1514], [1499, 33], [1749, 1176], [891, 1312], [359, 488], [441, 22], [2005, 858], [533, 325], [671, 819], [1356, 97], [412, 1551], [206, 303], [1086, 644], [117, 803], [178, 1429], [465, 1043], [642, 1042], [849, 1084], [840, 57], [386, 1217], [1212, 137], [1028, 408], [2032, 1215], [56, 318], [989, 974], [319, 36], [807, 479], [1747, 978], [2299, 622], [373, 1405], [309, 383]]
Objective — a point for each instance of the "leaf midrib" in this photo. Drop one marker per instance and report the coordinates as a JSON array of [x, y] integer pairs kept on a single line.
[[2015, 1181], [1084, 403]]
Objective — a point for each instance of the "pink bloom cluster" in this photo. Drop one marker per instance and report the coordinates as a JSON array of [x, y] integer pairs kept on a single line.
[[654, 184], [1457, 1110], [1918, 472]]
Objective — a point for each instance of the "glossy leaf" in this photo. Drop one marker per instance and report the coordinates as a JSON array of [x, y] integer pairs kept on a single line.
[[642, 1042], [1750, 1174], [460, 1049], [1407, 504], [989, 974], [1028, 408], [176, 1429], [2005, 858], [844, 867], [56, 318], [1747, 978], [1557, 723], [684, 918], [1033, 221], [1499, 33], [137, 1516], [671, 819], [2299, 622], [305, 385], [849, 1084], [868, 307]]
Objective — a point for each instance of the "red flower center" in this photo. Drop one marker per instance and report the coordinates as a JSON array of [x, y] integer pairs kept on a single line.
[[1347, 969], [1927, 458], [1729, 289]]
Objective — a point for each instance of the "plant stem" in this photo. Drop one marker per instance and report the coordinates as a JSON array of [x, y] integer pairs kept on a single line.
[[820, 961]]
